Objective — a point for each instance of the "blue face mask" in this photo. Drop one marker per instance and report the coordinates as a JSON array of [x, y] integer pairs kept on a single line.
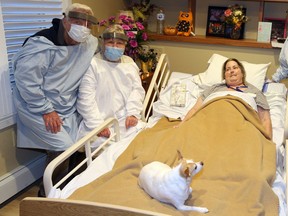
[[113, 53]]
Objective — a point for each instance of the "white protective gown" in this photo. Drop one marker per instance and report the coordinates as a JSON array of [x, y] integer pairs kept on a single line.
[[282, 70], [47, 79], [110, 90]]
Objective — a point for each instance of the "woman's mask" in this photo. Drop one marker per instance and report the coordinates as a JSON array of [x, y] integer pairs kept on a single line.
[[79, 33], [113, 53]]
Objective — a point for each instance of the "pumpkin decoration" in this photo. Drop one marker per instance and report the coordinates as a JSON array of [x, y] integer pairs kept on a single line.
[[170, 30]]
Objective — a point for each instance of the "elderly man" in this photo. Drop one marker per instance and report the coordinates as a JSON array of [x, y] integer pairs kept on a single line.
[[48, 71]]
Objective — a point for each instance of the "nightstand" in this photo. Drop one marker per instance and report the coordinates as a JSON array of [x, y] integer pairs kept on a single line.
[[146, 80]]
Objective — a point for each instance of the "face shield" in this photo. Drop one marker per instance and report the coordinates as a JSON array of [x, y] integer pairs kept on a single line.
[[114, 35], [80, 25], [84, 17]]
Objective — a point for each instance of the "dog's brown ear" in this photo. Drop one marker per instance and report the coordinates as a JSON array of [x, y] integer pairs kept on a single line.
[[187, 172], [185, 169], [180, 157]]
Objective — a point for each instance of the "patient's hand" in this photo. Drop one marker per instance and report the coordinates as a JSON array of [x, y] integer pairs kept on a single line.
[[131, 121], [104, 133]]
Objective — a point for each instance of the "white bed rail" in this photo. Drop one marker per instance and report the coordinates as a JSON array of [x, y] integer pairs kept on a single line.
[[84, 142], [158, 82]]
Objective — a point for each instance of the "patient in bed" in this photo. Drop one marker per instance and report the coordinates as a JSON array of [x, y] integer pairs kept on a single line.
[[235, 84], [111, 87]]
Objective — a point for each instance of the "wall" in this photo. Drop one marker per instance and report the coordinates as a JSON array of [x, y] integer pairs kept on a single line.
[[10, 156]]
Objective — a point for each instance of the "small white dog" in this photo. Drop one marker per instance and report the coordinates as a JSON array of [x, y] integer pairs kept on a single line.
[[171, 185]]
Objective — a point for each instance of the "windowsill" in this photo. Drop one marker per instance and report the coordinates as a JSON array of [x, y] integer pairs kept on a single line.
[[211, 40]]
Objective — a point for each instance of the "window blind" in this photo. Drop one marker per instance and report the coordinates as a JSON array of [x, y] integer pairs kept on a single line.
[[19, 20]]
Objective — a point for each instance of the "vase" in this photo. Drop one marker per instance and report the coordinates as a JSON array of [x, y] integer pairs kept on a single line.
[[145, 67], [235, 33]]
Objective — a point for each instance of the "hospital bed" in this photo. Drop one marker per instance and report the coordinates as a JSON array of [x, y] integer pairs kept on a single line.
[[109, 184]]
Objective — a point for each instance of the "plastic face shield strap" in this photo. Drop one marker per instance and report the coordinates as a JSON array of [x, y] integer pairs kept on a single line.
[[83, 16], [114, 35]]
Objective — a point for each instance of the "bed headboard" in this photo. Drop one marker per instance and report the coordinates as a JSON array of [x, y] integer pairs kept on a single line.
[[158, 82]]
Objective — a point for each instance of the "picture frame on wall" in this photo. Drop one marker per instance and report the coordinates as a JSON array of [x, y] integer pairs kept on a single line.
[[216, 25], [215, 21], [278, 28]]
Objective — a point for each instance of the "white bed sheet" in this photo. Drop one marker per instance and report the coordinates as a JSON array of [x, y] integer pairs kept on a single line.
[[276, 96]]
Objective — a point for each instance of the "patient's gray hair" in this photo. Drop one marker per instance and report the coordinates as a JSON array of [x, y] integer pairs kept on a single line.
[[114, 28], [240, 66], [80, 8]]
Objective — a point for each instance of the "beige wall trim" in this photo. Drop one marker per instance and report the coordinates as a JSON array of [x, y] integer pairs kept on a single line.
[[21, 177], [7, 121]]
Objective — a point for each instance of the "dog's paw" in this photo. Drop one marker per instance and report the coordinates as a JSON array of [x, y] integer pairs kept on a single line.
[[192, 208], [202, 210]]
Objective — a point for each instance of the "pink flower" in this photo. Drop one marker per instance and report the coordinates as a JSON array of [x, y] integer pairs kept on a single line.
[[130, 34], [126, 27], [122, 17], [102, 22], [140, 26], [112, 19], [144, 36], [133, 43], [129, 20]]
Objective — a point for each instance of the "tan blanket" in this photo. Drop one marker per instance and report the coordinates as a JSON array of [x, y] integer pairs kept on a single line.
[[239, 163]]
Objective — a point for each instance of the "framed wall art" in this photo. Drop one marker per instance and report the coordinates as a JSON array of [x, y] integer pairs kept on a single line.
[[278, 28], [216, 21]]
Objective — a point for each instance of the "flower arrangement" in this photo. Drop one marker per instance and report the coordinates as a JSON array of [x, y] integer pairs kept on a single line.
[[137, 36], [142, 10], [148, 57], [235, 15]]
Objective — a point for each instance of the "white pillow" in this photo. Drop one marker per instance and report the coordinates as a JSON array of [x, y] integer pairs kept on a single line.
[[255, 73]]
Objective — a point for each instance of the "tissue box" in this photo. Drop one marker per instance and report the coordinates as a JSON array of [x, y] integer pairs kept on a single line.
[[178, 95]]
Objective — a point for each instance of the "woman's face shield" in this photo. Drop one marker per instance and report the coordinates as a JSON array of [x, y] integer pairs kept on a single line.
[[83, 19], [114, 35]]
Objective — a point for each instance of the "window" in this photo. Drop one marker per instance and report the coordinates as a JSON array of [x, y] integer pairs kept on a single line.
[[18, 20]]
